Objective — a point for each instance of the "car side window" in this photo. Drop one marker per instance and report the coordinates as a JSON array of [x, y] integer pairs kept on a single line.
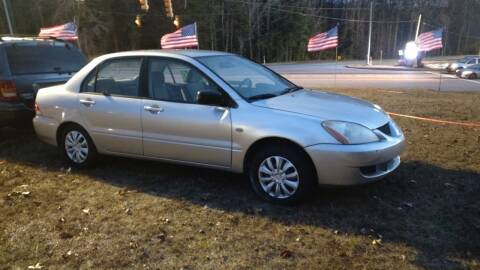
[[89, 82], [119, 77], [172, 80]]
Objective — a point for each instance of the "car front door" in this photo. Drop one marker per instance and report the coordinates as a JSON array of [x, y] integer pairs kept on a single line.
[[110, 105], [175, 127]]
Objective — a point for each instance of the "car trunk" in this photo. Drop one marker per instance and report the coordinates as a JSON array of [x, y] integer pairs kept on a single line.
[[28, 84]]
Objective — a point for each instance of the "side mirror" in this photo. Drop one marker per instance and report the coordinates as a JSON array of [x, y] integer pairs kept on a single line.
[[210, 98]]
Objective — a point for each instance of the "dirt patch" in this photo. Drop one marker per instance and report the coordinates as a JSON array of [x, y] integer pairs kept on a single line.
[[140, 214]]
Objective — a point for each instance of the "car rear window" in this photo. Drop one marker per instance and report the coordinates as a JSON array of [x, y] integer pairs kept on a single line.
[[32, 59]]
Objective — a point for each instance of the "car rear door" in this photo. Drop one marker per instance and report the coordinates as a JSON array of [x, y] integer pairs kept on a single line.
[[110, 106], [174, 126]]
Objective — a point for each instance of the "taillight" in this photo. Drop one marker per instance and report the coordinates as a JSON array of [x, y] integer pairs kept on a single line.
[[8, 91], [37, 108]]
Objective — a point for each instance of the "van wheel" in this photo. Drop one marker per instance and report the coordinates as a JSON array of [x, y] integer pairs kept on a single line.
[[282, 174], [77, 147]]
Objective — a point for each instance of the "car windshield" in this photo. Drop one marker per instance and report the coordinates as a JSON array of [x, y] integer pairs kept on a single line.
[[34, 59], [464, 60], [250, 80]]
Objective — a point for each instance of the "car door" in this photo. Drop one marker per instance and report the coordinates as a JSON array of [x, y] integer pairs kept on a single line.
[[110, 106], [175, 127]]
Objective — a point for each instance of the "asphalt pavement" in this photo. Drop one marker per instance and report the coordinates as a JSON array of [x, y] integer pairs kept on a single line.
[[352, 74]]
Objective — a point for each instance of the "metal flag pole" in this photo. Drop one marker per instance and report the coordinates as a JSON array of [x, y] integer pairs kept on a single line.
[[7, 14], [440, 73], [336, 59], [76, 22], [440, 81], [418, 26], [370, 34], [196, 33], [335, 73]]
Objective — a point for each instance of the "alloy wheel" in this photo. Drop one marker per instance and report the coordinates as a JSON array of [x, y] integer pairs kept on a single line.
[[76, 146], [278, 177]]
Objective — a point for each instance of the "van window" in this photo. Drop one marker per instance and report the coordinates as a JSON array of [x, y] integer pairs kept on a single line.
[[34, 59]]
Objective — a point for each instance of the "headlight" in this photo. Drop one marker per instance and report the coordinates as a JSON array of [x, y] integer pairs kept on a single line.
[[395, 129], [349, 133]]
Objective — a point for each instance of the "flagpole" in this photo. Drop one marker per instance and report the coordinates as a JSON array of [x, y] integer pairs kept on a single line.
[[370, 34], [440, 82], [196, 33], [336, 62], [76, 22], [418, 26], [440, 72], [6, 8]]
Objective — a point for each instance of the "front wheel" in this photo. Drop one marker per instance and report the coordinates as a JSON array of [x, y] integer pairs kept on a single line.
[[473, 76], [77, 147], [282, 174]]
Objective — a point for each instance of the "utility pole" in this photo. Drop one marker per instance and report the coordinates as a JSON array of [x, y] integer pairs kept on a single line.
[[370, 34], [418, 26], [7, 15]]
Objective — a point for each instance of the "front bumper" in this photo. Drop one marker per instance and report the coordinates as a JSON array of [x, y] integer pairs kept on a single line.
[[15, 114], [345, 165], [465, 75]]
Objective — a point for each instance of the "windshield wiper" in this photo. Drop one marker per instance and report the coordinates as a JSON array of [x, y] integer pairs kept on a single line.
[[291, 89], [261, 96]]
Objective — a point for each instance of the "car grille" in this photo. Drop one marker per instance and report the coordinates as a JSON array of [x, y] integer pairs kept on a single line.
[[386, 129]]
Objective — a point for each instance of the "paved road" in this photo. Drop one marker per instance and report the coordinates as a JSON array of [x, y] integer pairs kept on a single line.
[[331, 75]]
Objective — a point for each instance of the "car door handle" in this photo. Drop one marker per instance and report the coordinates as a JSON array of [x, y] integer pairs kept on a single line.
[[87, 102], [153, 109]]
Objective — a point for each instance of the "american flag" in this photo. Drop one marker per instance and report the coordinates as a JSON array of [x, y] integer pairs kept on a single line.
[[429, 41], [185, 37], [66, 31], [323, 41]]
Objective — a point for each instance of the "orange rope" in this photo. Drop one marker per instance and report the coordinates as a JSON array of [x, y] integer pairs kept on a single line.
[[437, 120]]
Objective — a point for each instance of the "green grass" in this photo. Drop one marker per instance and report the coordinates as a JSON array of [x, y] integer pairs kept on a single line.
[[151, 215]]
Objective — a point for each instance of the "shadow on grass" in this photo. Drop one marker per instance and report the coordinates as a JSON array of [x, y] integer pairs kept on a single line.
[[434, 210]]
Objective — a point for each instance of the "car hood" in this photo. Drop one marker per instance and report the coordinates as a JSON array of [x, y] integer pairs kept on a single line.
[[328, 106]]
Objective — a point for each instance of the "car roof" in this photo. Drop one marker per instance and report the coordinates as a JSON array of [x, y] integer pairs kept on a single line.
[[33, 41], [169, 52], [469, 57]]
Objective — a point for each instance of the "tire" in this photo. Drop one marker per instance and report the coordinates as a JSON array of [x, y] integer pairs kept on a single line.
[[77, 147], [305, 180], [458, 72], [472, 76]]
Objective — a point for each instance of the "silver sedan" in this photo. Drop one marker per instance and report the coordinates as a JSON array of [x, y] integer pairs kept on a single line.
[[472, 72], [222, 111]]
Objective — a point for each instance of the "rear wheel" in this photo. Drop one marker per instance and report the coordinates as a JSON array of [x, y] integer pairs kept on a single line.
[[282, 174], [77, 147]]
